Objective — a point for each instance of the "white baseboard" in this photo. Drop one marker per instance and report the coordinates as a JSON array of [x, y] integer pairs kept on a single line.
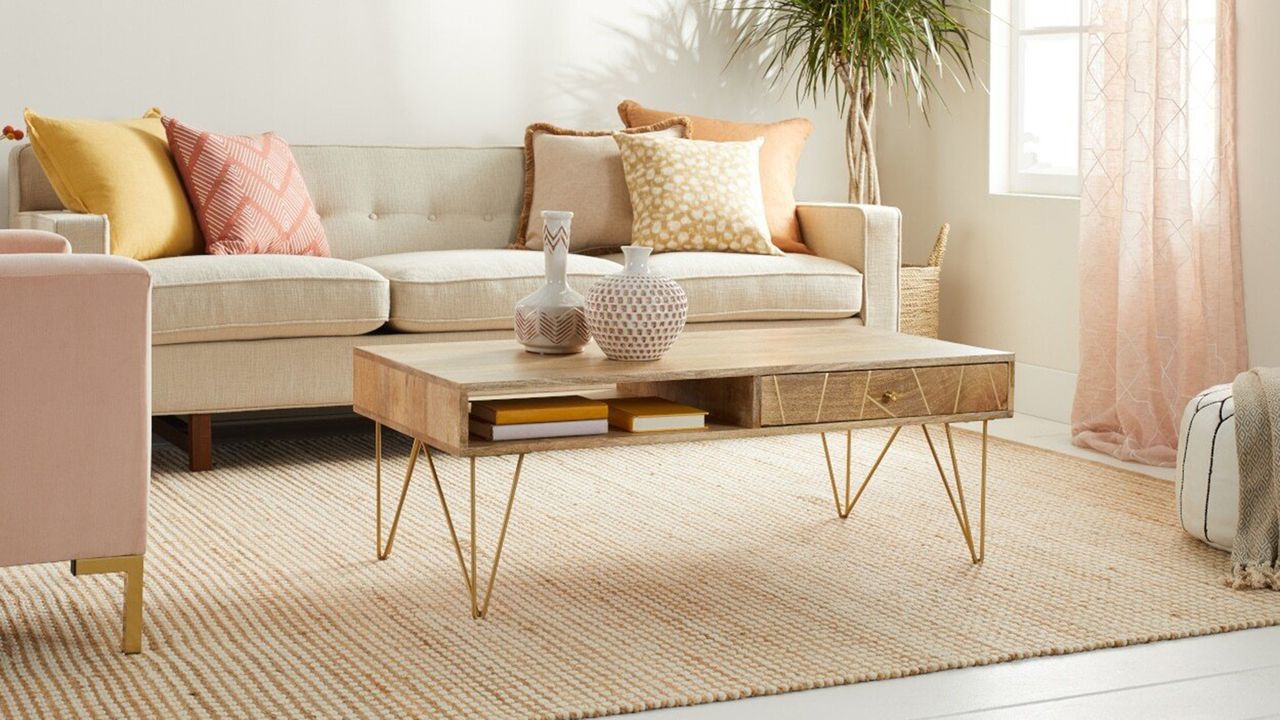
[[1043, 392]]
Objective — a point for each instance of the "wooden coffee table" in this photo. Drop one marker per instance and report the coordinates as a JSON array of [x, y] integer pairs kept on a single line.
[[772, 381]]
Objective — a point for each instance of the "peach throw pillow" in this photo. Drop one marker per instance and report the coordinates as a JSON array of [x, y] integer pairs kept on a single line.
[[783, 144], [579, 171]]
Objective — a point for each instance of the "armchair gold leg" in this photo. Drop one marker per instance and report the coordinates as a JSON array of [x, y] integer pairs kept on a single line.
[[132, 567]]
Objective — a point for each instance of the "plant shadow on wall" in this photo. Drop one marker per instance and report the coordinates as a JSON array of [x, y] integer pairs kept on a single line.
[[676, 55], [752, 58]]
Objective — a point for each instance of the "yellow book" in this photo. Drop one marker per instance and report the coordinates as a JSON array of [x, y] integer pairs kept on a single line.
[[516, 411], [653, 414]]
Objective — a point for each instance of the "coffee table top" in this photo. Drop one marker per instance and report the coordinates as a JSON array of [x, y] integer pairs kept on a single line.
[[425, 390], [503, 366]]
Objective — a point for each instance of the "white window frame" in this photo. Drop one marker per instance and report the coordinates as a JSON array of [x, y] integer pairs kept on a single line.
[[1006, 88]]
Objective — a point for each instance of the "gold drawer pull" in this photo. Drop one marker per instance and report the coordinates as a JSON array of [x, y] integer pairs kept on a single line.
[[889, 396]]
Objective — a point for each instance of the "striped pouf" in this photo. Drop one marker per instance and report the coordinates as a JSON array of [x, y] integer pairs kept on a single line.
[[1208, 473]]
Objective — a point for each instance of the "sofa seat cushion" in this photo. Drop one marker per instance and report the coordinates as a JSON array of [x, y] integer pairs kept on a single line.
[[203, 298], [739, 286], [438, 290]]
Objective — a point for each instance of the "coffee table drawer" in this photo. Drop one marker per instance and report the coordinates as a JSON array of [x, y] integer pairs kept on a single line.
[[876, 394]]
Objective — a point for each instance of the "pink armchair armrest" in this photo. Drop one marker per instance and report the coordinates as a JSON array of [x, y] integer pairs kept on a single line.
[[75, 369], [32, 241]]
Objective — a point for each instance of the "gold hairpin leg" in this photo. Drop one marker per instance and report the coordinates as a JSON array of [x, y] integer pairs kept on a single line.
[[844, 505], [978, 549], [470, 571], [470, 574], [384, 551]]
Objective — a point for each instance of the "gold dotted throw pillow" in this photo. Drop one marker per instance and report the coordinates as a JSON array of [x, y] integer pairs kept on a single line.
[[695, 195]]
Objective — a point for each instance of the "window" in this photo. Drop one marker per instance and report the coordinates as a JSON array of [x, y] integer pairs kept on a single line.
[[1036, 69]]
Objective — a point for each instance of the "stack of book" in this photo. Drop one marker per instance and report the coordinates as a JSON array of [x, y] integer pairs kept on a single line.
[[654, 414], [572, 415], [539, 417]]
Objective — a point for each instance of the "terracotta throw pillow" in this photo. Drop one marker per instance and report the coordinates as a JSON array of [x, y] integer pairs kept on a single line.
[[123, 170], [695, 195], [580, 171], [248, 193], [783, 144]]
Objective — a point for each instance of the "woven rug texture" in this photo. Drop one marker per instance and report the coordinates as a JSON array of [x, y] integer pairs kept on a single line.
[[632, 578]]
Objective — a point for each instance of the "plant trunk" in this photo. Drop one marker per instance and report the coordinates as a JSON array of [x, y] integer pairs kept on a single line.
[[860, 151]]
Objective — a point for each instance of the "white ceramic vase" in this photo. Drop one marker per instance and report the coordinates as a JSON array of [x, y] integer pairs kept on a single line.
[[552, 320], [636, 314]]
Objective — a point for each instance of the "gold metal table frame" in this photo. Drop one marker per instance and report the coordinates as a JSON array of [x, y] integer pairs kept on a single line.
[[844, 503], [752, 382], [470, 574]]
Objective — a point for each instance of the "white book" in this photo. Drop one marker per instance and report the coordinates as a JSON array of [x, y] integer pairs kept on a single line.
[[526, 431]]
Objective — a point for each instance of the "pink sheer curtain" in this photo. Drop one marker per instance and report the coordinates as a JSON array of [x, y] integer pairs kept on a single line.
[[1161, 300]]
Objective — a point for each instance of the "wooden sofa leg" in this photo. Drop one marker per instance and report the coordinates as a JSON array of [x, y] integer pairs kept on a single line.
[[195, 436], [132, 568], [200, 442]]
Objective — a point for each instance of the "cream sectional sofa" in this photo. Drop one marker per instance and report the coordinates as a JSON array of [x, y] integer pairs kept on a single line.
[[419, 238]]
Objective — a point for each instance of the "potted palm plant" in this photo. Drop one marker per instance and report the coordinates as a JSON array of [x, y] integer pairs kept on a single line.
[[855, 48]]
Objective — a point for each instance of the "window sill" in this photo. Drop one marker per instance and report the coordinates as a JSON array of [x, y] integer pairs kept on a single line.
[[1033, 196]]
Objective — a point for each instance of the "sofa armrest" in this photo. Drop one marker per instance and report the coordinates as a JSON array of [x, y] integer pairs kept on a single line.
[[75, 433], [88, 234], [866, 237], [32, 241]]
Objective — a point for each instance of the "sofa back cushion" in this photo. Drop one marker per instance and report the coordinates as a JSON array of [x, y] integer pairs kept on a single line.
[[376, 200]]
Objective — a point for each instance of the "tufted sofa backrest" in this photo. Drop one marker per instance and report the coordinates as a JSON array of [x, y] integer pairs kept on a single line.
[[381, 200], [376, 200]]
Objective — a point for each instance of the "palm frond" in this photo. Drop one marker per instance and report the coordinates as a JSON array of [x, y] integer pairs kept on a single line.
[[817, 45]]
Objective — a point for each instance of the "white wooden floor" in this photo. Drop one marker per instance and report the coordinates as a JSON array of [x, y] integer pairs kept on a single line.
[[1232, 675]]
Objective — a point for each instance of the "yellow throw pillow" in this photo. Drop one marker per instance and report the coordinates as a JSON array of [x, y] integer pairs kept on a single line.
[[695, 194], [122, 170]]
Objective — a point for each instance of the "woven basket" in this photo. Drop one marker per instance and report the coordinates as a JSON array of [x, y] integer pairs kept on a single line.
[[918, 288]]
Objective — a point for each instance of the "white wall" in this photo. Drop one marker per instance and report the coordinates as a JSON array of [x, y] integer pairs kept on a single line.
[[1010, 280], [1258, 145], [414, 72]]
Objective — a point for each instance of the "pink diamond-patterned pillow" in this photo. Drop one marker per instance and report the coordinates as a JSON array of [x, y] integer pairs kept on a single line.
[[247, 192]]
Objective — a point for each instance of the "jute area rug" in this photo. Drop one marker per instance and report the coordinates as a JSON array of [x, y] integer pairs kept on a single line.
[[632, 578]]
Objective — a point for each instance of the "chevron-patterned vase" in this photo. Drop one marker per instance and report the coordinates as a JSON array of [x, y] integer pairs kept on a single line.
[[553, 320]]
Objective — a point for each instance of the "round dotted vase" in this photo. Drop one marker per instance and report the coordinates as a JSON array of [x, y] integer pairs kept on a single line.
[[634, 314]]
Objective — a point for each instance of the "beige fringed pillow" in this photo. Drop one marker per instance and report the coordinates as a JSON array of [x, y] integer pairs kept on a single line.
[[695, 195], [579, 171]]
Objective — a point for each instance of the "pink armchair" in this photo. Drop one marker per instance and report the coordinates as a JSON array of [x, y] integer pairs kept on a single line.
[[75, 411]]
